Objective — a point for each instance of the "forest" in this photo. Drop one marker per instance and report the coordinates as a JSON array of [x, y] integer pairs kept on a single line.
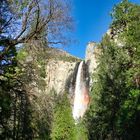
[[29, 28]]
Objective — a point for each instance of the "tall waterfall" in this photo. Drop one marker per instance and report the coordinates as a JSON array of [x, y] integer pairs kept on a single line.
[[81, 96]]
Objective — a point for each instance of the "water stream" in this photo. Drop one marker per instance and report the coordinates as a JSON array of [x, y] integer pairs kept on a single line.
[[81, 95]]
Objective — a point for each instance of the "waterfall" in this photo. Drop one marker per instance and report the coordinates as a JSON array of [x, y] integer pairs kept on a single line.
[[81, 97]]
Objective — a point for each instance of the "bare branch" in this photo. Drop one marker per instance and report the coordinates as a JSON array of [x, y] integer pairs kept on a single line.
[[38, 14], [52, 24], [25, 19], [6, 24], [53, 42]]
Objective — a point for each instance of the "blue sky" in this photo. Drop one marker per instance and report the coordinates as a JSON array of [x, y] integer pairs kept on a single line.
[[92, 19]]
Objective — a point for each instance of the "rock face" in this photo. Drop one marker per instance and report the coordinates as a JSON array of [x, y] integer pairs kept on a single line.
[[91, 56], [47, 69], [92, 52], [57, 72], [56, 69]]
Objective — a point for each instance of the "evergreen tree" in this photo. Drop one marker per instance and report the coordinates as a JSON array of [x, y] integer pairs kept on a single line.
[[115, 109]]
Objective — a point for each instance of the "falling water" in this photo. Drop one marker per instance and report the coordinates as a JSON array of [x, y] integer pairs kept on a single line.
[[81, 98]]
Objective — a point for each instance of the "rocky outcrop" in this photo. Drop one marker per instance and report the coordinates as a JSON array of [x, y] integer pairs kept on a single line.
[[91, 56], [92, 52]]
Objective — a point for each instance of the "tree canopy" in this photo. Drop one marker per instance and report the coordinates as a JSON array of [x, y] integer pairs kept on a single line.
[[115, 109]]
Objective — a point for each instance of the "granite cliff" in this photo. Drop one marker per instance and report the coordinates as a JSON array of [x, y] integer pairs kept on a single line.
[[52, 68], [58, 71]]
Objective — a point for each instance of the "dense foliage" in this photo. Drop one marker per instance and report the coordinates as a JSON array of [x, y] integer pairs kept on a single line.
[[115, 109], [29, 24], [63, 127]]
